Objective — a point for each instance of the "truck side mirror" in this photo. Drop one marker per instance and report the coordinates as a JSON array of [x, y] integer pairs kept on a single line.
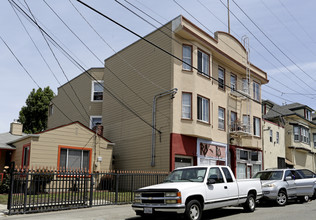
[[210, 181]]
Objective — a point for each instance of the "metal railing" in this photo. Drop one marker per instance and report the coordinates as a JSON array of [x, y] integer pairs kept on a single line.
[[43, 190]]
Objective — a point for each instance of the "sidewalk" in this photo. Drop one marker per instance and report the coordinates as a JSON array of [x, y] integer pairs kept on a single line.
[[110, 212]]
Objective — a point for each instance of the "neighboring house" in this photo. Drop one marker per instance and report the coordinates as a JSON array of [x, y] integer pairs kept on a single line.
[[71, 146], [90, 92], [273, 146], [300, 132], [195, 126]]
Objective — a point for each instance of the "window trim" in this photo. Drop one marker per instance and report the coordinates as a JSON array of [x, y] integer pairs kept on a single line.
[[94, 116], [248, 85], [209, 111], [222, 129], [209, 63], [277, 137], [271, 135], [235, 76], [190, 106], [248, 124], [92, 90], [254, 124], [254, 91], [233, 124], [191, 64], [28, 145], [303, 134], [224, 79], [74, 148]]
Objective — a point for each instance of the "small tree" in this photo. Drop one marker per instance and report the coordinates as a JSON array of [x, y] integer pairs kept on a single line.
[[34, 115]]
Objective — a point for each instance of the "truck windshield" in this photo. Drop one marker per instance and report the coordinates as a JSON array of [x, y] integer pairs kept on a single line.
[[185, 175], [269, 175]]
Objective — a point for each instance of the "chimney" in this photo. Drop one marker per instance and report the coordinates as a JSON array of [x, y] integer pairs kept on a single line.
[[98, 129], [16, 128]]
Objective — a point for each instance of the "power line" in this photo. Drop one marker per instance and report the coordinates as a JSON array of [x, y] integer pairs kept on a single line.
[[274, 43], [168, 53], [80, 66], [208, 30], [266, 47], [48, 66]]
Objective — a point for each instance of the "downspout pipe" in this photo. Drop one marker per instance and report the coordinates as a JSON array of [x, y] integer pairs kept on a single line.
[[171, 92]]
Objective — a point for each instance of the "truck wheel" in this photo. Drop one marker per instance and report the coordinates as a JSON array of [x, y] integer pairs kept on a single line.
[[193, 210], [250, 204], [281, 198], [303, 199]]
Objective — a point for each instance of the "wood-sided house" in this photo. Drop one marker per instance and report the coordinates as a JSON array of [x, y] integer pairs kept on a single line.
[[72, 146]]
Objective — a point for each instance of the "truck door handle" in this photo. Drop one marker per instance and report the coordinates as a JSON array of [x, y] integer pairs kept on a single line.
[[225, 187]]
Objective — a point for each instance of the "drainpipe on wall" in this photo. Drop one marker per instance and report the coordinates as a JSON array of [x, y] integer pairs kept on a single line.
[[171, 92]]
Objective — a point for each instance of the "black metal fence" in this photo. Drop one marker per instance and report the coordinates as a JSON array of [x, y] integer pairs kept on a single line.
[[48, 190]]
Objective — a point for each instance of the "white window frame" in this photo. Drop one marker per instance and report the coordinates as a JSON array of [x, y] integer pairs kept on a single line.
[[187, 59], [205, 109], [246, 123], [92, 90], [233, 82], [91, 119], [256, 91], [256, 130], [81, 159], [221, 79], [186, 106], [221, 118], [205, 67], [245, 85], [271, 135]]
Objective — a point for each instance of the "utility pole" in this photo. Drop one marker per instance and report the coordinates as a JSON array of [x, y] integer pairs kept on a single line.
[[228, 16]]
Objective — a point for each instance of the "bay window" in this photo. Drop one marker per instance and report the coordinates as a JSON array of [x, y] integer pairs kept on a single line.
[[256, 127]]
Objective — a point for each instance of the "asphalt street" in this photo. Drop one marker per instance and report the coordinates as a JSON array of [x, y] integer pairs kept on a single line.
[[292, 211]]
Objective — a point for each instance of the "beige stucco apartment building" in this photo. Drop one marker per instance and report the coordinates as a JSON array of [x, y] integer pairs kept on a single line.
[[299, 129], [205, 110]]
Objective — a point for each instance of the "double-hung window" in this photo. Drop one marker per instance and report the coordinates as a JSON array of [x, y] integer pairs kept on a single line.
[[233, 82], [277, 137], [296, 133], [203, 109], [245, 86], [256, 91], [301, 134], [271, 136], [187, 57], [97, 91], [233, 121], [186, 105], [221, 78], [203, 63], [256, 126], [246, 123], [221, 118], [95, 120], [74, 158], [308, 114]]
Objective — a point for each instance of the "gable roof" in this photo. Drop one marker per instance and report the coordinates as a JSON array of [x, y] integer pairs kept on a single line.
[[284, 110], [7, 138], [76, 122]]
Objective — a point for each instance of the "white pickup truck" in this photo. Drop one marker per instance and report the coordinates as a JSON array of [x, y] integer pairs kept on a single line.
[[190, 190]]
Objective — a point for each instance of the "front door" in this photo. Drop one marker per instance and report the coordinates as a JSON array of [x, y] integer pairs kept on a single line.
[[291, 187]]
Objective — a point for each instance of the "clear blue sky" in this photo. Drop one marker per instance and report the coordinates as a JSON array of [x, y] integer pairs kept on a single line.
[[288, 55]]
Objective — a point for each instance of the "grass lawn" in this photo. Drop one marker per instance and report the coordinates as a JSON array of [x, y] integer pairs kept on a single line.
[[3, 199]]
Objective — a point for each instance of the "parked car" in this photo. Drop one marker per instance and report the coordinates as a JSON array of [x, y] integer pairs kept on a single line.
[[281, 185], [305, 173], [191, 190]]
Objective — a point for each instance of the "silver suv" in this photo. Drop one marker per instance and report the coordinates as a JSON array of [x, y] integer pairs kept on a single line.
[[283, 184]]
